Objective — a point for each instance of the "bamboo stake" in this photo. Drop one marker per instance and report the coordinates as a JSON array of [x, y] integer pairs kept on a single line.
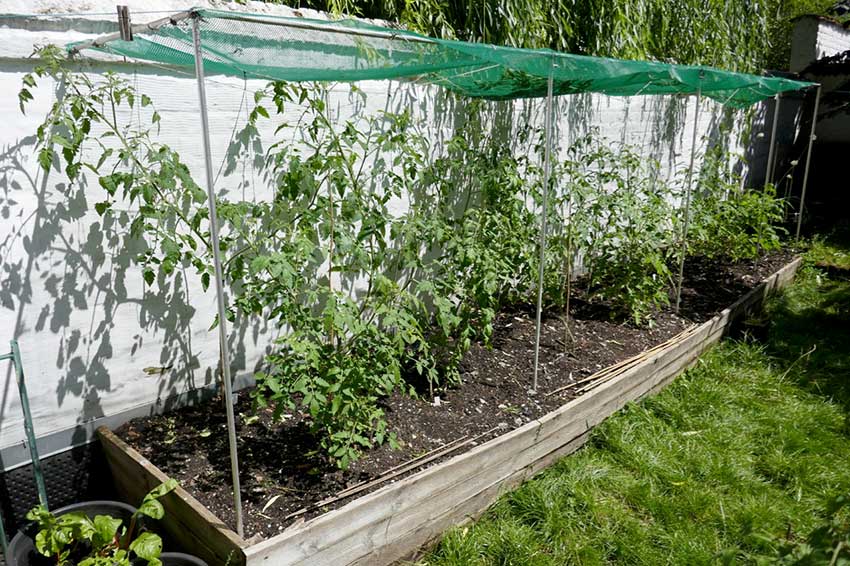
[[620, 367]]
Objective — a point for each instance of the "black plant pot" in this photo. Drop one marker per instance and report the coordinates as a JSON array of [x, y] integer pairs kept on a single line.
[[179, 559], [22, 550]]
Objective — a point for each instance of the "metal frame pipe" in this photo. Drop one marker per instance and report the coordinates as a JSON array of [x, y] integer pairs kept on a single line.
[[547, 167], [138, 28], [686, 221], [219, 280], [812, 138], [269, 21], [293, 24], [768, 176]]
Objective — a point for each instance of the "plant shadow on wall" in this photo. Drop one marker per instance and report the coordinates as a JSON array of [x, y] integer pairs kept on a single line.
[[72, 272]]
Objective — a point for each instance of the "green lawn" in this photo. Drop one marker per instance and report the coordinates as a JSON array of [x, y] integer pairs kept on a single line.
[[747, 446]]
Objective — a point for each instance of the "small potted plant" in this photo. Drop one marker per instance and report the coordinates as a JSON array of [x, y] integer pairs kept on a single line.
[[96, 533]]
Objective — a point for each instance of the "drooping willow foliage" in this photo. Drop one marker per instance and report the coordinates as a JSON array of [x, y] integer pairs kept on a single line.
[[739, 35]]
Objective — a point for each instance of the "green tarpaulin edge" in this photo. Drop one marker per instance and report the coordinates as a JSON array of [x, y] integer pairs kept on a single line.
[[263, 46]]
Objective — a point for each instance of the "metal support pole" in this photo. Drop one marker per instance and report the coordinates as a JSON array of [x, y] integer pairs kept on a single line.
[[541, 268], [808, 162], [688, 201], [219, 280], [768, 176]]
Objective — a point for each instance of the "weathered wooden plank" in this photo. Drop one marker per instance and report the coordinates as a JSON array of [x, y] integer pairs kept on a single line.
[[447, 480], [186, 521], [464, 511], [409, 502], [395, 520]]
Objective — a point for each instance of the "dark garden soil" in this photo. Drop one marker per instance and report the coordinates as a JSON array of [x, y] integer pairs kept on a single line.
[[282, 472]]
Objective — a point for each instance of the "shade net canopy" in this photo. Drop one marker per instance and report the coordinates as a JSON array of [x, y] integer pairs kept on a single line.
[[261, 46]]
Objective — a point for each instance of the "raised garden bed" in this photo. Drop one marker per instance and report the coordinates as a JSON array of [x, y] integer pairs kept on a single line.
[[285, 488]]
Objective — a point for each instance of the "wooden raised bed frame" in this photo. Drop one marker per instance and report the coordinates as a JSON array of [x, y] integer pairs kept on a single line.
[[393, 522]]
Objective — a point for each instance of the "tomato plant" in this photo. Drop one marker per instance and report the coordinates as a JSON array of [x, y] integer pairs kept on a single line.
[[618, 218], [378, 258], [731, 222]]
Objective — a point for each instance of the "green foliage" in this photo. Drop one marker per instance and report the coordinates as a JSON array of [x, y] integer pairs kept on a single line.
[[339, 385], [823, 252], [435, 275], [298, 258], [730, 222], [147, 546], [485, 253], [151, 507], [623, 225], [161, 203], [780, 28], [732, 35], [828, 543], [379, 259], [74, 538]]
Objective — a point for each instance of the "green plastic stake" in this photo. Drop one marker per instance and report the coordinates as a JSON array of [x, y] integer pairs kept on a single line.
[[15, 356], [3, 539], [28, 427]]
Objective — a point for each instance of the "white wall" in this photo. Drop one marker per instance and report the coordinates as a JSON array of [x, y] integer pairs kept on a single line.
[[815, 37], [832, 39], [87, 326]]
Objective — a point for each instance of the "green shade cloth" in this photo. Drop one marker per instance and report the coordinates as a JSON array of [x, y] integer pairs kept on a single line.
[[299, 49]]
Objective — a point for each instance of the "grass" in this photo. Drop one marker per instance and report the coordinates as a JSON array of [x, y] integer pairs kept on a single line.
[[744, 449]]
